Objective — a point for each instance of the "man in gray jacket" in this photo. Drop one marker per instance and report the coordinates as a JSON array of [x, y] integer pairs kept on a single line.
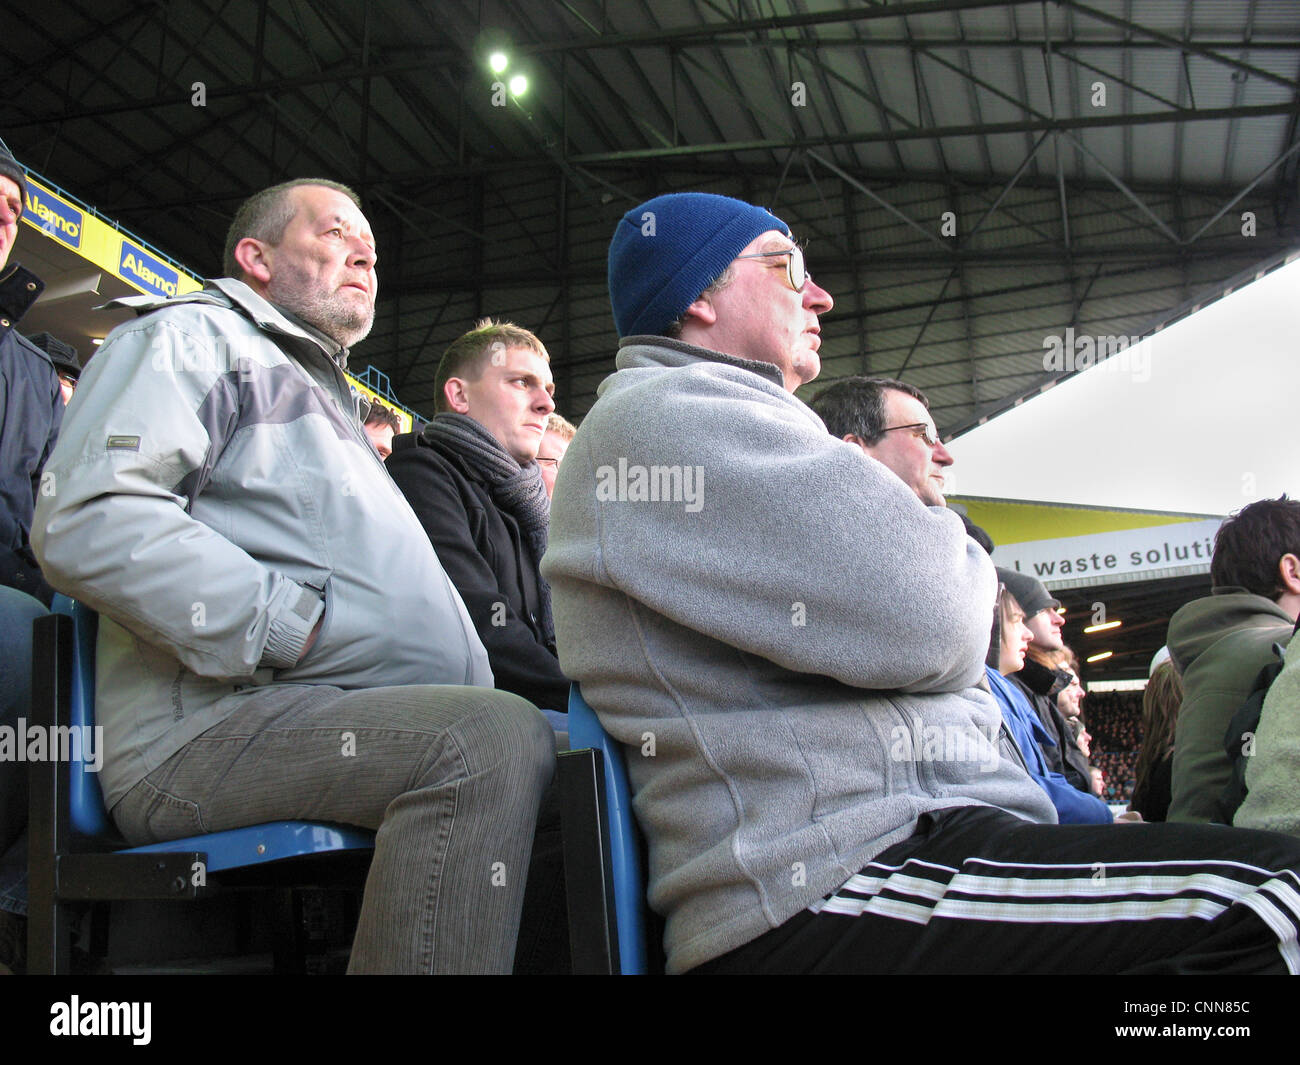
[[277, 638], [790, 643]]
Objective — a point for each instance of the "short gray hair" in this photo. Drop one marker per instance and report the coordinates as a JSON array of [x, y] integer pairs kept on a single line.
[[266, 215]]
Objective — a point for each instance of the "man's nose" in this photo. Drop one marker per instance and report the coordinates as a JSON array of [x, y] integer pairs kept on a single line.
[[545, 401], [363, 254], [816, 298], [941, 455]]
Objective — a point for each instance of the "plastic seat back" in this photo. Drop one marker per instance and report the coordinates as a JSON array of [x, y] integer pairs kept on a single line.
[[87, 812], [234, 848], [624, 836]]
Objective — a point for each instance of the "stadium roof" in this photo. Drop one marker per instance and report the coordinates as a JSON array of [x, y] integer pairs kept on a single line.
[[1097, 158]]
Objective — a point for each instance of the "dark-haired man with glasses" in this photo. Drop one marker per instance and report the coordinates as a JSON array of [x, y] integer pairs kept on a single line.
[[890, 421]]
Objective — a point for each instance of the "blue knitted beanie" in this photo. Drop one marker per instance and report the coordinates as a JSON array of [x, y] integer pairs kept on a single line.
[[670, 249]]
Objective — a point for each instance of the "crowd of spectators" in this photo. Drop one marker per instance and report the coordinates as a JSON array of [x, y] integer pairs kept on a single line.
[[430, 605], [1119, 769], [1114, 719]]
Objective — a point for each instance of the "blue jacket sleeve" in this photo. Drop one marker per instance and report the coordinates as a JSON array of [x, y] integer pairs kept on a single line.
[[1073, 807]]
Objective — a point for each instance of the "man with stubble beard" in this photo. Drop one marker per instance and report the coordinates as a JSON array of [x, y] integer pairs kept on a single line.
[[266, 596]]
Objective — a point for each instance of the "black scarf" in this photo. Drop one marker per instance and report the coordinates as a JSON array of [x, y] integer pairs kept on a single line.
[[517, 490]]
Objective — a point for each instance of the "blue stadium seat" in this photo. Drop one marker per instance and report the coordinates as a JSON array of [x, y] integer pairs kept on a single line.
[[608, 916], [76, 853]]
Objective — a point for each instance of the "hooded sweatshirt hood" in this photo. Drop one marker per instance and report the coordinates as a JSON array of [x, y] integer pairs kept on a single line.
[[1200, 624]]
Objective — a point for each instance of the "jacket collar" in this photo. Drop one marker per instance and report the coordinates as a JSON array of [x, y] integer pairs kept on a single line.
[[19, 288], [227, 292], [638, 351], [1037, 677], [1197, 626]]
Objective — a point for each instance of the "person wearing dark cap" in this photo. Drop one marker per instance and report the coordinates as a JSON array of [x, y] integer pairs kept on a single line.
[[31, 406], [67, 364], [1041, 682], [31, 411], [790, 644], [1006, 656]]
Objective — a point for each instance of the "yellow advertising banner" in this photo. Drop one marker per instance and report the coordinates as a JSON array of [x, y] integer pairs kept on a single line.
[[102, 244], [108, 248]]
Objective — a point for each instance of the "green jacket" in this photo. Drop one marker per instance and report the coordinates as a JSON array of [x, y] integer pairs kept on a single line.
[[1219, 644], [1273, 772]]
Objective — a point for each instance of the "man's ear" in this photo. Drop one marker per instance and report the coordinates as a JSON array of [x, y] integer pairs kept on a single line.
[[254, 259], [702, 309], [853, 438], [457, 399], [1288, 569]]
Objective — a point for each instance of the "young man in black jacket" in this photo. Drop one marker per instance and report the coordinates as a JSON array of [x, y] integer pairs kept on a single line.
[[472, 479]]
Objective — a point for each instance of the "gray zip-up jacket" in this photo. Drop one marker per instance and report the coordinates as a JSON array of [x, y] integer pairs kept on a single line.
[[786, 639], [211, 494]]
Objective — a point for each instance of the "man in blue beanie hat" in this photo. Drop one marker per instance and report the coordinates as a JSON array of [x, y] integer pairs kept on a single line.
[[699, 267], [790, 643]]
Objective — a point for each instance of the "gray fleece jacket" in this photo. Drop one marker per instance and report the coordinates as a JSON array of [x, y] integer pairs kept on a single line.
[[784, 636]]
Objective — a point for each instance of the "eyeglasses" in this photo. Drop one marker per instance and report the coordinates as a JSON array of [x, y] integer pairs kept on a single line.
[[924, 430], [547, 460], [794, 267]]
